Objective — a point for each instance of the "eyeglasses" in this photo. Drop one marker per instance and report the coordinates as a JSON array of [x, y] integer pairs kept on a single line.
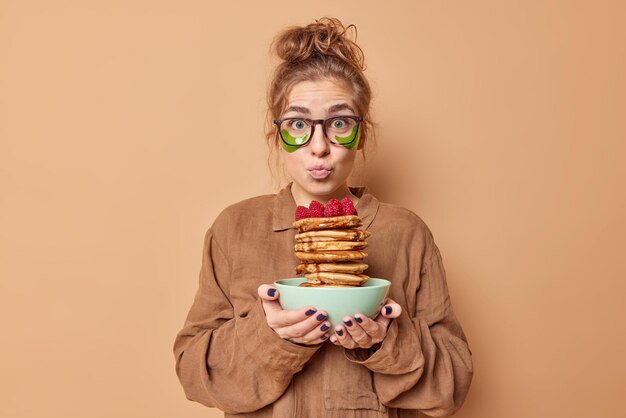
[[340, 130]]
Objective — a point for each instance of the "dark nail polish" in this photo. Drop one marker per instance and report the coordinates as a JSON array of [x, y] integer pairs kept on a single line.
[[323, 337], [310, 312], [359, 320], [321, 317], [339, 332], [271, 292], [348, 323], [388, 310], [324, 327]]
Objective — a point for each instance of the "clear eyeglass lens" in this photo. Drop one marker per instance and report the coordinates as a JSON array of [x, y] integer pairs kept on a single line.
[[340, 127], [296, 128]]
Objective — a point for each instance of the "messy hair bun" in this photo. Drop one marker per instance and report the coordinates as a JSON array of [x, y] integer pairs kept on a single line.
[[320, 51], [327, 36]]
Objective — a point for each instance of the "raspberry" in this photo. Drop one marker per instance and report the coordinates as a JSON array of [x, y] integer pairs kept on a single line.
[[302, 212], [348, 207], [333, 208], [316, 209]]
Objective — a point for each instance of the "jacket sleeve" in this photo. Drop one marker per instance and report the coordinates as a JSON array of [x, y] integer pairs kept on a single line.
[[424, 363], [236, 363]]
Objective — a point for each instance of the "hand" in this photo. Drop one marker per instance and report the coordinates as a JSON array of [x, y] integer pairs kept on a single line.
[[301, 326], [363, 332]]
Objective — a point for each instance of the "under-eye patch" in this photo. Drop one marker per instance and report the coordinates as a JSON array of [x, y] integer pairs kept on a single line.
[[351, 140], [291, 143]]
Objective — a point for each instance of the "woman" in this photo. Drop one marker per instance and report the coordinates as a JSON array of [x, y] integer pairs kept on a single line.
[[240, 352]]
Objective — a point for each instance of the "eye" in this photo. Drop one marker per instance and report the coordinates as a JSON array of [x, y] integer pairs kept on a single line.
[[339, 123], [298, 124]]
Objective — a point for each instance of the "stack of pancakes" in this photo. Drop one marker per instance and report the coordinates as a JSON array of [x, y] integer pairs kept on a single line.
[[330, 251]]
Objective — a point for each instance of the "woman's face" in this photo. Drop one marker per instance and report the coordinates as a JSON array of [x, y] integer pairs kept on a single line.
[[319, 169]]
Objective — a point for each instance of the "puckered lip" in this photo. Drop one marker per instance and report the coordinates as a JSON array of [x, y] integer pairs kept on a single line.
[[319, 167], [320, 172]]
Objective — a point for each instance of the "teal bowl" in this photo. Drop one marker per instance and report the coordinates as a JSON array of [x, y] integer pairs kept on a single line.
[[338, 302]]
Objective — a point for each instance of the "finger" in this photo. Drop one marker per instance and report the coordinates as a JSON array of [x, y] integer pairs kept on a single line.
[[271, 307], [342, 337], [267, 292], [391, 309], [312, 320], [317, 335], [360, 337], [333, 338], [269, 297], [382, 320], [289, 318], [371, 328]]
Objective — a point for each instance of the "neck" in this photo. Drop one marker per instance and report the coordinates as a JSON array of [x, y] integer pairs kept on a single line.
[[303, 198]]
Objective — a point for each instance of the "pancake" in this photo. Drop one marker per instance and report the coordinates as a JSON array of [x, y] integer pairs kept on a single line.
[[309, 284], [330, 256], [345, 267], [333, 235], [335, 222], [337, 278], [330, 246]]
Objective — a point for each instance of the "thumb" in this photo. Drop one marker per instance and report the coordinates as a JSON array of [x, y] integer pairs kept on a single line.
[[267, 293], [269, 297], [391, 309]]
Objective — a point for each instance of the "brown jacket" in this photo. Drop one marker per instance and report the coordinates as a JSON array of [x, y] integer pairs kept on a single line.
[[228, 357]]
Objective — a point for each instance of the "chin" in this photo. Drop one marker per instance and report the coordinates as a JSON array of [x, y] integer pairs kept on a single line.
[[322, 188]]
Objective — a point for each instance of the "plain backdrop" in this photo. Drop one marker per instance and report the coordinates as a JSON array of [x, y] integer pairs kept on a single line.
[[127, 126]]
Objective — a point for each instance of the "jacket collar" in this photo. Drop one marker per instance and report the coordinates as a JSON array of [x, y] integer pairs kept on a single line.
[[284, 211]]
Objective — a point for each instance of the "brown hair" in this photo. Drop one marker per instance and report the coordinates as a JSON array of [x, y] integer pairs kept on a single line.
[[319, 51]]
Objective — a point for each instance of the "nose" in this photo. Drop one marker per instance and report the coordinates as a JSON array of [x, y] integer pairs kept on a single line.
[[319, 145]]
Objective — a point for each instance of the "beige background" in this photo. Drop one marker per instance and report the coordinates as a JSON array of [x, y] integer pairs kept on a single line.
[[126, 126]]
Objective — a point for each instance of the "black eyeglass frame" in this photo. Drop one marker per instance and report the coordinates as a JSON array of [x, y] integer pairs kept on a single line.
[[314, 122]]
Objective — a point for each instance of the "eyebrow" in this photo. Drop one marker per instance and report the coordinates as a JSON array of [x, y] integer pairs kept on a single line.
[[332, 109], [340, 106], [298, 109]]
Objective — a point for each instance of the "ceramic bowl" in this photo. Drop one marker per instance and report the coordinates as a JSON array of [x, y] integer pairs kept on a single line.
[[338, 302]]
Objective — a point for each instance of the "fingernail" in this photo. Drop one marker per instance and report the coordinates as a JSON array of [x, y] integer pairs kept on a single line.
[[358, 319], [348, 323], [310, 312], [324, 327], [271, 292], [323, 337], [388, 310], [339, 332], [321, 317]]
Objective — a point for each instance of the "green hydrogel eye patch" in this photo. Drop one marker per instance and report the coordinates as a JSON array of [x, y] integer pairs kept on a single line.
[[291, 143], [349, 141]]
